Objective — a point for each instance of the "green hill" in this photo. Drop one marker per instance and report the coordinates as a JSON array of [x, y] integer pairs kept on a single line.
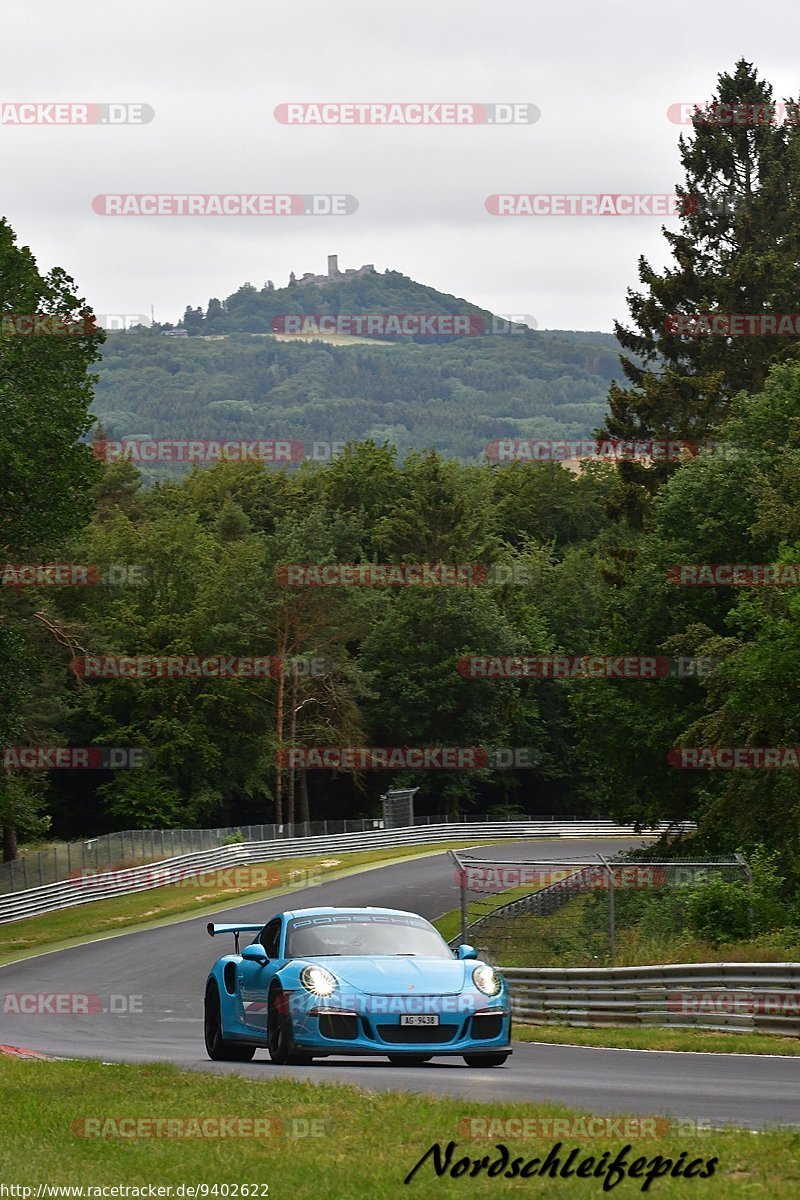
[[233, 378]]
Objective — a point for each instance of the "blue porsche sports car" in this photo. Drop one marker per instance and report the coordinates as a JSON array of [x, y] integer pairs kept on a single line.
[[334, 981]]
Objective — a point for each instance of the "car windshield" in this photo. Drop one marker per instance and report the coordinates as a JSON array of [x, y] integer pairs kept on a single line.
[[364, 934]]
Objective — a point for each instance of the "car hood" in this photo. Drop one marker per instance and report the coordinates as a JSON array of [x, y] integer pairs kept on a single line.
[[397, 975]]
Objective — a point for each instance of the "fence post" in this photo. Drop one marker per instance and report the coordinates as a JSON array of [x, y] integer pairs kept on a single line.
[[462, 886], [612, 931], [464, 910], [745, 864]]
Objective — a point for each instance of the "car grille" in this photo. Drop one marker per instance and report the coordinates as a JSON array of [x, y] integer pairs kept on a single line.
[[417, 1035], [487, 1027], [341, 1028]]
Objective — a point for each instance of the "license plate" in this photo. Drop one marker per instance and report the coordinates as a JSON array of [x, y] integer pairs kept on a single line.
[[419, 1020]]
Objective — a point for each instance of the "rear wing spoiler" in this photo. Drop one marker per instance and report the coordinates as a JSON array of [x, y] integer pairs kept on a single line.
[[213, 930]]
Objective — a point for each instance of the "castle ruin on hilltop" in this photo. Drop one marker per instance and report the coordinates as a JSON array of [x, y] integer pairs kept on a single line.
[[334, 274]]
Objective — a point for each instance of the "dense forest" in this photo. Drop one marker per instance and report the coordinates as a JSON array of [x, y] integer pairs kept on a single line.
[[562, 564], [454, 397]]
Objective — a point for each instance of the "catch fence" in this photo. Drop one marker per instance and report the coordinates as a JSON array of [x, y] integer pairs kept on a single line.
[[542, 912]]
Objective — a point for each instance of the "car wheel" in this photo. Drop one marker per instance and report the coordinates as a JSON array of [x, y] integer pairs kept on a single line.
[[409, 1060], [486, 1060], [217, 1047], [279, 1033]]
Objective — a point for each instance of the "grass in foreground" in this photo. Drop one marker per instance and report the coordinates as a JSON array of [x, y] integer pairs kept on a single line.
[[655, 1038], [195, 895], [327, 1141]]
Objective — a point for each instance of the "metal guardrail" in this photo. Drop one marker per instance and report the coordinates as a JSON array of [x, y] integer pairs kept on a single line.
[[133, 847], [82, 889], [736, 997]]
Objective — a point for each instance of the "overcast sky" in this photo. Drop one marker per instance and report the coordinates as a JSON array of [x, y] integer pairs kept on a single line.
[[603, 76]]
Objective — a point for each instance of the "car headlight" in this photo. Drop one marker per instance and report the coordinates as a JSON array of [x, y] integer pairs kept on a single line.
[[487, 980], [318, 981]]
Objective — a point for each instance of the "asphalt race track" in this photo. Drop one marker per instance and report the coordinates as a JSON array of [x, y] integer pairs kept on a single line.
[[162, 973]]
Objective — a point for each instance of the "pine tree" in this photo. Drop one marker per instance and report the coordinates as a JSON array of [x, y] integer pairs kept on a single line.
[[735, 253]]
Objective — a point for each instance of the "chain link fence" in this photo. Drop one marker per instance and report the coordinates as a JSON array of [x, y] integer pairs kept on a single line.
[[573, 912], [136, 847]]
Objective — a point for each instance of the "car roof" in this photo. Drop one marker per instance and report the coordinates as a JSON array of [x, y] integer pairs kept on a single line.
[[354, 908]]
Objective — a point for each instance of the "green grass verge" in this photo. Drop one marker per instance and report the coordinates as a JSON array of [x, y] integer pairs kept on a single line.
[[104, 918], [527, 940], [327, 1141], [449, 925], [700, 1041]]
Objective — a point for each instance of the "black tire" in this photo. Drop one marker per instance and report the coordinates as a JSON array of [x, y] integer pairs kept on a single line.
[[217, 1047], [409, 1060], [486, 1060], [279, 1034]]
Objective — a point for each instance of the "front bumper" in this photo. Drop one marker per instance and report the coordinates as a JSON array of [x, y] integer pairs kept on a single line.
[[372, 1028]]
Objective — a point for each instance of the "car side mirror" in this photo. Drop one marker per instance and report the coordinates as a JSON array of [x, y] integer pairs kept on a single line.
[[465, 951], [255, 954]]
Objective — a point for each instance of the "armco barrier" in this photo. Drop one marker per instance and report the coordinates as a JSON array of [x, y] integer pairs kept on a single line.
[[108, 884], [133, 847], [737, 997]]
